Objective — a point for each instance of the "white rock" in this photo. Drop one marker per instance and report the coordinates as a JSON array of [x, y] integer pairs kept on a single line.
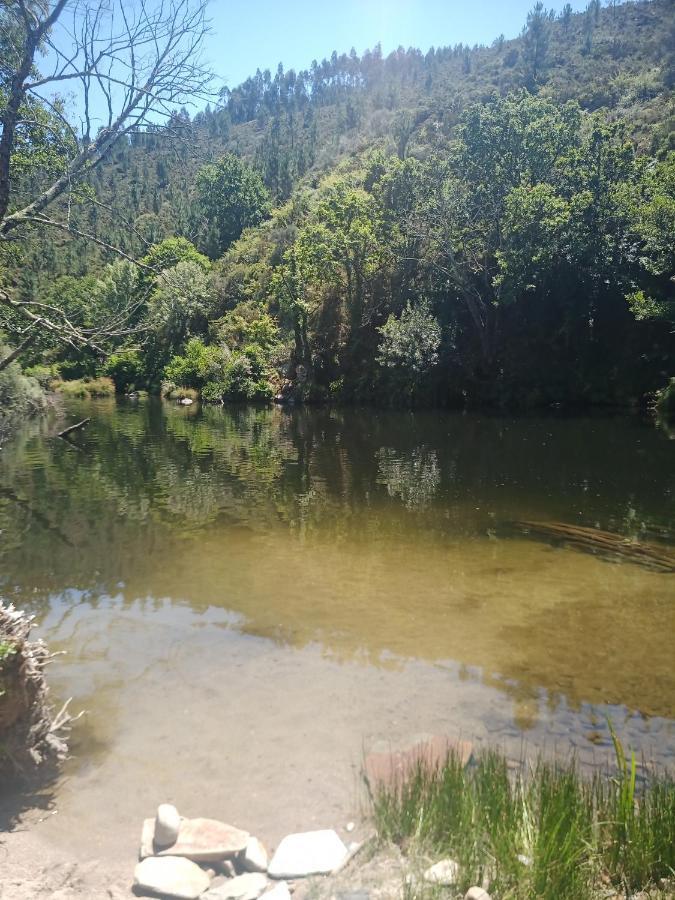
[[278, 892], [254, 857], [476, 893], [445, 872], [350, 826], [525, 860], [307, 853], [244, 887], [167, 824], [186, 401], [171, 876], [147, 839]]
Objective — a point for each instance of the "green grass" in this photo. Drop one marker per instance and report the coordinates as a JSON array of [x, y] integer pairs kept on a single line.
[[83, 388], [544, 832]]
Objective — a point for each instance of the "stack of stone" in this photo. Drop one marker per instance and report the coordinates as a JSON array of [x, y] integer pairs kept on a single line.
[[186, 859]]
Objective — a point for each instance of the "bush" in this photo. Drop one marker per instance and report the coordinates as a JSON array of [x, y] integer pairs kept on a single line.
[[246, 376], [199, 365], [126, 370], [214, 391], [19, 393]]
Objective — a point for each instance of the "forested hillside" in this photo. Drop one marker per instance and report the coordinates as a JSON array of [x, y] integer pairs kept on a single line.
[[487, 225]]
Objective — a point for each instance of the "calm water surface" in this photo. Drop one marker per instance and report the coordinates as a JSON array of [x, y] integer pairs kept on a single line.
[[263, 594]]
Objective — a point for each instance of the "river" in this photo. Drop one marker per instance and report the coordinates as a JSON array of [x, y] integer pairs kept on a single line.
[[250, 599]]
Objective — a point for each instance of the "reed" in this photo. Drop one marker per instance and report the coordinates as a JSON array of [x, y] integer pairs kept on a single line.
[[545, 831]]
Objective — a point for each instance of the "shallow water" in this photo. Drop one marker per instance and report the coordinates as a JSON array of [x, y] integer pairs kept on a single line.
[[251, 598]]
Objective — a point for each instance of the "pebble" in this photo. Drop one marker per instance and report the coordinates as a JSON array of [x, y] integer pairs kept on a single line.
[[171, 876], [167, 823], [307, 853], [445, 872]]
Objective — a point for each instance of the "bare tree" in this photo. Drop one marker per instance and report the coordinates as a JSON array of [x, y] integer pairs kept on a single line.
[[131, 64]]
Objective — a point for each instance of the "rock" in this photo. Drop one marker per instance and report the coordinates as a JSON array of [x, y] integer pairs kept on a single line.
[[525, 860], [307, 853], [207, 840], [445, 872], [254, 857], [186, 401], [167, 824], [244, 887], [350, 827], [387, 767], [476, 893], [147, 839], [171, 876], [279, 892]]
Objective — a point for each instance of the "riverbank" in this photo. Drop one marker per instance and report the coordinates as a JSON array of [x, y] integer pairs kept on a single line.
[[460, 824]]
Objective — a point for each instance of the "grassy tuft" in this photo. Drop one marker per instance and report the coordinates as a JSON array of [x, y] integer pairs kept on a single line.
[[84, 388], [544, 831]]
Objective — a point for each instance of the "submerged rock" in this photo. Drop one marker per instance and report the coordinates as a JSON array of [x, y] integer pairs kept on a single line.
[[167, 825], [244, 887], [254, 857], [171, 876], [307, 853], [445, 872], [207, 840]]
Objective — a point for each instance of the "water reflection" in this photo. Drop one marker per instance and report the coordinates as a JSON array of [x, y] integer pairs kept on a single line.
[[380, 537]]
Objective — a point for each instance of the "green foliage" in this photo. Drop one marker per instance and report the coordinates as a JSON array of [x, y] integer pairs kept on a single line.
[[246, 324], [126, 370], [410, 343], [198, 365], [171, 251], [232, 197], [19, 394]]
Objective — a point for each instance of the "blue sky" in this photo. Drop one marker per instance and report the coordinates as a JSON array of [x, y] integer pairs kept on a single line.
[[262, 33]]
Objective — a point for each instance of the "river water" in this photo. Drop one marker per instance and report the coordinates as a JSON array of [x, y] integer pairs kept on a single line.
[[250, 599]]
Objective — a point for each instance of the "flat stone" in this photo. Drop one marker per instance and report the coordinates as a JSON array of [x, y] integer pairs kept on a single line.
[[254, 857], [207, 840], [445, 872], [307, 853], [244, 887], [171, 876], [279, 892], [394, 766], [147, 839], [167, 825], [476, 893]]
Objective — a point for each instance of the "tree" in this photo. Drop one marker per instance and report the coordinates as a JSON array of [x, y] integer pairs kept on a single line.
[[535, 45], [409, 345], [136, 62], [232, 197]]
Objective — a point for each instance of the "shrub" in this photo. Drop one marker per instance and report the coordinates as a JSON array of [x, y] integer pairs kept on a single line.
[[198, 365], [126, 370], [214, 391], [19, 394]]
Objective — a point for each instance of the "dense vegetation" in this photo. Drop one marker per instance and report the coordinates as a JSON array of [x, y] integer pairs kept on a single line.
[[487, 225]]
